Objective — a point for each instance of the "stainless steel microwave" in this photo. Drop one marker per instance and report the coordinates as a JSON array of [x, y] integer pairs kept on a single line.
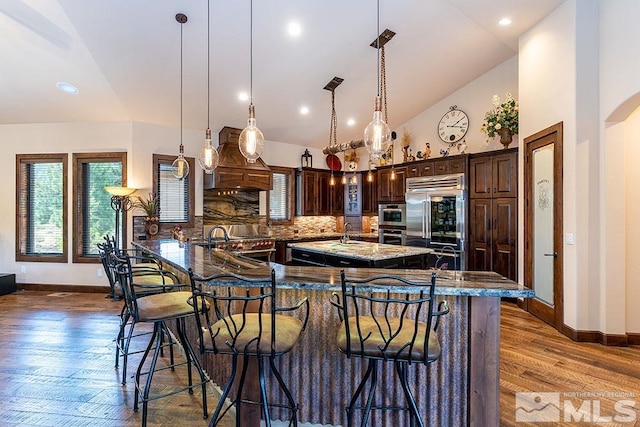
[[392, 214]]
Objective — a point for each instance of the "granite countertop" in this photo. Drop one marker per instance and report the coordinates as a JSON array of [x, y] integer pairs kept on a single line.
[[307, 237], [361, 250], [205, 262]]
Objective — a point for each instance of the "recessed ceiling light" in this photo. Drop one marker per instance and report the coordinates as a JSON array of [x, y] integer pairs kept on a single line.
[[294, 29], [351, 122], [243, 96], [67, 88], [304, 110], [505, 21]]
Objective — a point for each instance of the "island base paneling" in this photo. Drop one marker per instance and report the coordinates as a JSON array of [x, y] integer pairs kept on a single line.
[[322, 379]]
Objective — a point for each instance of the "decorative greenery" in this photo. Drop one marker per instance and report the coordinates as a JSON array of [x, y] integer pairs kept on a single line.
[[503, 116], [148, 205]]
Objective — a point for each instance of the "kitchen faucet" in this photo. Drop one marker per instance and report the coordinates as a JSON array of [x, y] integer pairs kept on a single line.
[[345, 236], [217, 227], [454, 253]]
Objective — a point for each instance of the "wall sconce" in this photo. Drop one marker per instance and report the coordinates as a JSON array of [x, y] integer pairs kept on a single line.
[[306, 160]]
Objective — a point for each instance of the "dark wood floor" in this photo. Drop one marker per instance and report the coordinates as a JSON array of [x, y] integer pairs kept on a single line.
[[57, 366]]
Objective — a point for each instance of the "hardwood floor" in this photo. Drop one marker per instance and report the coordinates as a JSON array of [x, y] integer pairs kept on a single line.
[[57, 367]]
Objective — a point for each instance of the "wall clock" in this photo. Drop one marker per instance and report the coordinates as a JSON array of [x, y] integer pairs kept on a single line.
[[453, 125]]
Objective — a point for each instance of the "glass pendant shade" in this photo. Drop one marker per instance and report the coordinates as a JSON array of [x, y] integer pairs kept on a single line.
[[344, 179], [251, 140], [180, 167], [332, 180], [208, 157], [393, 175], [370, 176], [377, 134]]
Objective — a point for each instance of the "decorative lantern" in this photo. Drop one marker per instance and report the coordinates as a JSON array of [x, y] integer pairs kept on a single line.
[[306, 159]]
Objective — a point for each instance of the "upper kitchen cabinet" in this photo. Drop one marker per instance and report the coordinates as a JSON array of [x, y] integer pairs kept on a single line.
[[494, 175], [439, 166], [370, 194], [391, 190], [315, 195]]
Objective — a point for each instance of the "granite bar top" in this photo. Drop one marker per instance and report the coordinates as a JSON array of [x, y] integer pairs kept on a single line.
[[307, 237], [360, 250], [205, 262]]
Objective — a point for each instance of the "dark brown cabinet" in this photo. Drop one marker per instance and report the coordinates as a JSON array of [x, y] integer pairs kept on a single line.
[[439, 166], [315, 195], [391, 190], [493, 215], [494, 175], [370, 194]]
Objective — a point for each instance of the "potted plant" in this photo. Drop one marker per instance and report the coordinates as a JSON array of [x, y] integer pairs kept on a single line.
[[502, 120], [150, 207]]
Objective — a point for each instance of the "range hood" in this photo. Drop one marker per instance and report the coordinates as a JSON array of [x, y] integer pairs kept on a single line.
[[234, 172]]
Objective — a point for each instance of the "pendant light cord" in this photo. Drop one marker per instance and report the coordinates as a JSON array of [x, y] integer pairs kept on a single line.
[[208, 63], [251, 53], [181, 146], [378, 43]]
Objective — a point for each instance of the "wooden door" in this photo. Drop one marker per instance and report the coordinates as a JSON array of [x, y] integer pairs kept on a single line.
[[309, 193], [480, 178], [504, 178], [543, 225], [504, 237], [384, 186], [398, 185], [480, 234], [369, 194], [324, 193]]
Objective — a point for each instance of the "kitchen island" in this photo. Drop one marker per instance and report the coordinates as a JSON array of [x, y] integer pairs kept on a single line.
[[461, 388], [354, 253]]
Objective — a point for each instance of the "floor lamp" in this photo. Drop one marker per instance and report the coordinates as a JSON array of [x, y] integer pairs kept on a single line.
[[120, 203]]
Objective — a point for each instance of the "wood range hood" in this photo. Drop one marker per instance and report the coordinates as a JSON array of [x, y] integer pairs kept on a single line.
[[234, 172]]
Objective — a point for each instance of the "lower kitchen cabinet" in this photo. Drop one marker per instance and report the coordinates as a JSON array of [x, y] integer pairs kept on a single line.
[[493, 236], [304, 257]]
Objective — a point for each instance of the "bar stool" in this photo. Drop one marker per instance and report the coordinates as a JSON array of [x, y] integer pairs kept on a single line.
[[245, 321], [379, 327], [149, 279], [160, 308]]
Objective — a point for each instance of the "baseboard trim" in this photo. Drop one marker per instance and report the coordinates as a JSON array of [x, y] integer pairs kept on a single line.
[[618, 340], [97, 289], [634, 338]]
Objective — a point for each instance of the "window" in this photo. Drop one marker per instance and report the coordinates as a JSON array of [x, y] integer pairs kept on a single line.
[[41, 207], [281, 197], [175, 196], [93, 215]]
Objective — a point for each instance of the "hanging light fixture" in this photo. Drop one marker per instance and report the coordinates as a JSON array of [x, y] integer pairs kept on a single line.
[[251, 138], [333, 127], [377, 134], [208, 156], [180, 165]]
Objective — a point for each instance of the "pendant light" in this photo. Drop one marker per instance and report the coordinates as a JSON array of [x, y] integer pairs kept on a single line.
[[377, 134], [251, 140], [208, 156], [333, 127], [180, 165]]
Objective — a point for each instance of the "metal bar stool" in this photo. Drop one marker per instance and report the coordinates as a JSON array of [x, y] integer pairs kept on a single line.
[[149, 279], [245, 321], [379, 327], [159, 308]]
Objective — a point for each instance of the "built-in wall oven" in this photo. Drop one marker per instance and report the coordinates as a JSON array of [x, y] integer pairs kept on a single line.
[[392, 224], [436, 214]]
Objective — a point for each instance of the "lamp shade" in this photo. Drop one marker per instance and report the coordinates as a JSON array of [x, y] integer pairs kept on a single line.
[[120, 191]]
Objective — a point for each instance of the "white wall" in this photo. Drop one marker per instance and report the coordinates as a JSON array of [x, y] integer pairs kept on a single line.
[[475, 99], [52, 138], [620, 127]]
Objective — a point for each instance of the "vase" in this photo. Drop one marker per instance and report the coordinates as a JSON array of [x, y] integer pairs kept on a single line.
[[151, 226], [506, 136]]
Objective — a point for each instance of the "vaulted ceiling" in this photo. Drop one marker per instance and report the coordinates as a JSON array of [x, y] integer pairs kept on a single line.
[[124, 57]]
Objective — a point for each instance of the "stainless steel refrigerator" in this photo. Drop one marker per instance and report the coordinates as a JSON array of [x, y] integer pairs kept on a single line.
[[436, 217]]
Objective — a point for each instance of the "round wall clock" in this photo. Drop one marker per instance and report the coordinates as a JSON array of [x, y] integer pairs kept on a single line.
[[453, 125]]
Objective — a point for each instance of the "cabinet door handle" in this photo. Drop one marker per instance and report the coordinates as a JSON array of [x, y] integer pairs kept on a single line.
[[555, 254]]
